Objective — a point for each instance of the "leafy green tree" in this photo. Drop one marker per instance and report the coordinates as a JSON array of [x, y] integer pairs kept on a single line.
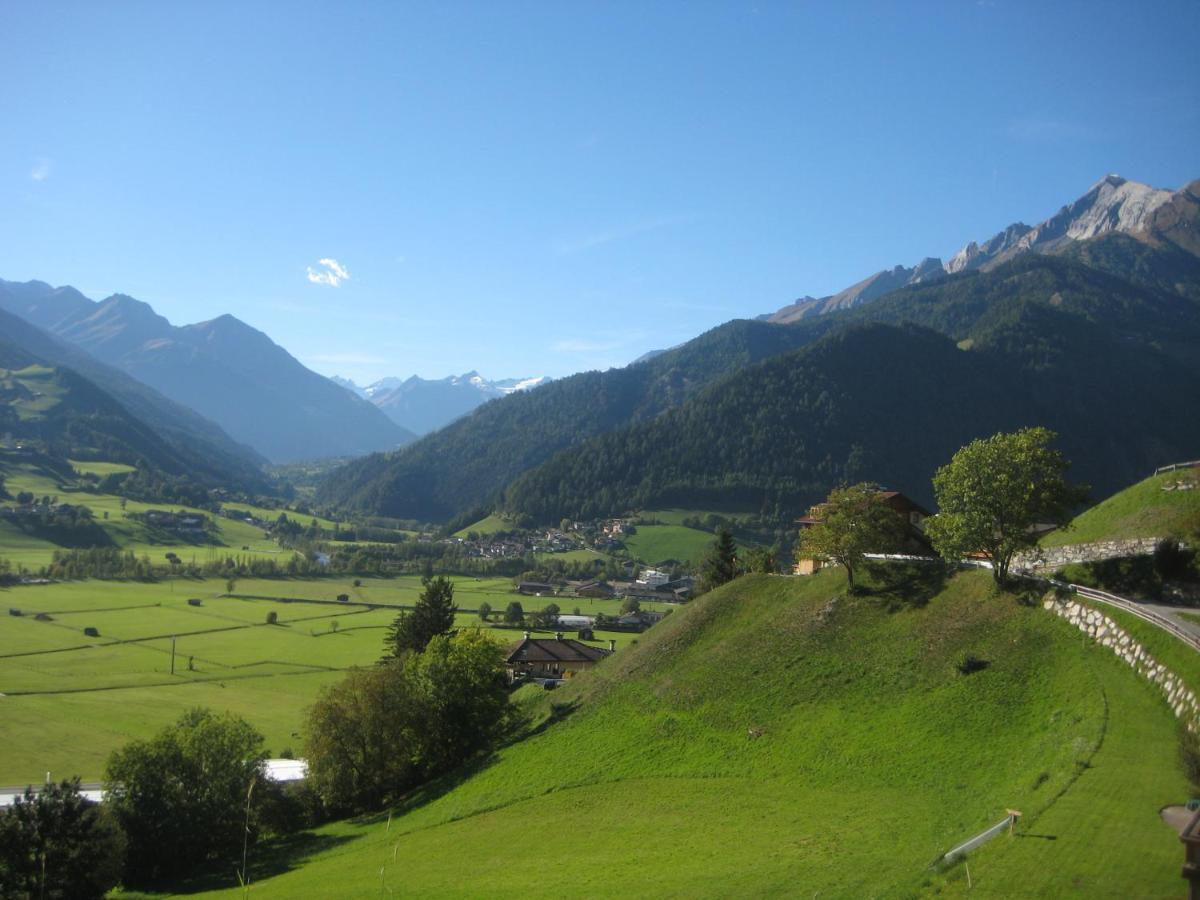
[[485, 610], [382, 731], [357, 736], [547, 616], [994, 490], [720, 564], [432, 615], [514, 613], [630, 605], [57, 843], [180, 796], [855, 521], [763, 560]]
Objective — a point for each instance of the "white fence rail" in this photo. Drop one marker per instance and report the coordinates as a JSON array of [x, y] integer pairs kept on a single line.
[[982, 838], [1195, 463]]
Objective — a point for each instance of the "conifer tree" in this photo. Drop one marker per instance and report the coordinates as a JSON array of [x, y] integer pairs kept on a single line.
[[433, 615], [721, 563]]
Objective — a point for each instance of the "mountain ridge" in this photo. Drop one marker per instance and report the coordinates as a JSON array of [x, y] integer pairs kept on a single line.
[[1111, 205], [284, 410]]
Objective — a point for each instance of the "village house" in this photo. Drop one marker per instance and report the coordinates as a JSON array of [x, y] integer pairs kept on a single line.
[[556, 657], [535, 589], [909, 510], [653, 578]]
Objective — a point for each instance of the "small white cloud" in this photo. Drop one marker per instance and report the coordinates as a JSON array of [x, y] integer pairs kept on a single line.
[[40, 170], [332, 273]]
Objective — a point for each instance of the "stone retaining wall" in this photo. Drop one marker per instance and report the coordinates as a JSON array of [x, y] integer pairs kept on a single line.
[[1054, 557], [1105, 631]]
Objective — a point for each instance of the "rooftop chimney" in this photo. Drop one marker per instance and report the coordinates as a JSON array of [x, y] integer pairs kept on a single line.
[[612, 645], [527, 635]]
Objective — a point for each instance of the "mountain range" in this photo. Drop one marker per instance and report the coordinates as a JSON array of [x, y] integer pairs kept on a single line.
[[1096, 333], [222, 369], [1112, 204], [210, 455], [422, 405]]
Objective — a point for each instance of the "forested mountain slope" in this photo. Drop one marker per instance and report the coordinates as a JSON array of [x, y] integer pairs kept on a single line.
[[73, 418], [466, 464], [211, 455], [1113, 367]]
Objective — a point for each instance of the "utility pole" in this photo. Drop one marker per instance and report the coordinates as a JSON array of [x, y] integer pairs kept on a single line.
[[172, 654]]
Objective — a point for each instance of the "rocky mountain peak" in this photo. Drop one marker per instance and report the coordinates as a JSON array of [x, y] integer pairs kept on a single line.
[[1112, 204]]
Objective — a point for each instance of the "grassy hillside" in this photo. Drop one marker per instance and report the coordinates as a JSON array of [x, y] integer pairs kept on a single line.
[[779, 737], [1147, 509], [485, 526], [657, 543]]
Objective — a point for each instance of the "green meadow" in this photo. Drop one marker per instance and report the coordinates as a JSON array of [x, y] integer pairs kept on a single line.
[[485, 526], [780, 737], [654, 544], [69, 699]]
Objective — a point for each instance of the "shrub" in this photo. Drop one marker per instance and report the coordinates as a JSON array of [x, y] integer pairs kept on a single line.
[[272, 617], [382, 731], [90, 631], [1173, 562]]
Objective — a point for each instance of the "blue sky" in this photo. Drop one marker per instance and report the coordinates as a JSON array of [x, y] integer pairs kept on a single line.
[[528, 188]]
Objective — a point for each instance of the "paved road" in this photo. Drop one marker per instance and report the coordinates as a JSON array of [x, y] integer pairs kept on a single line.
[[1173, 613]]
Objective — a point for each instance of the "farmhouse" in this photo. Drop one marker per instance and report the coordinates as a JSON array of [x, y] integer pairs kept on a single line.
[[535, 589], [909, 510], [551, 658]]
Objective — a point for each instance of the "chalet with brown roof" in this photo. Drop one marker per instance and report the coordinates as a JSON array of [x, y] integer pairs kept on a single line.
[[556, 657], [913, 513], [536, 589]]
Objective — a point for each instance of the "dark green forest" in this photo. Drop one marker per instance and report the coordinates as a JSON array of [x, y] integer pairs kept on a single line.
[[467, 464], [1110, 365]]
